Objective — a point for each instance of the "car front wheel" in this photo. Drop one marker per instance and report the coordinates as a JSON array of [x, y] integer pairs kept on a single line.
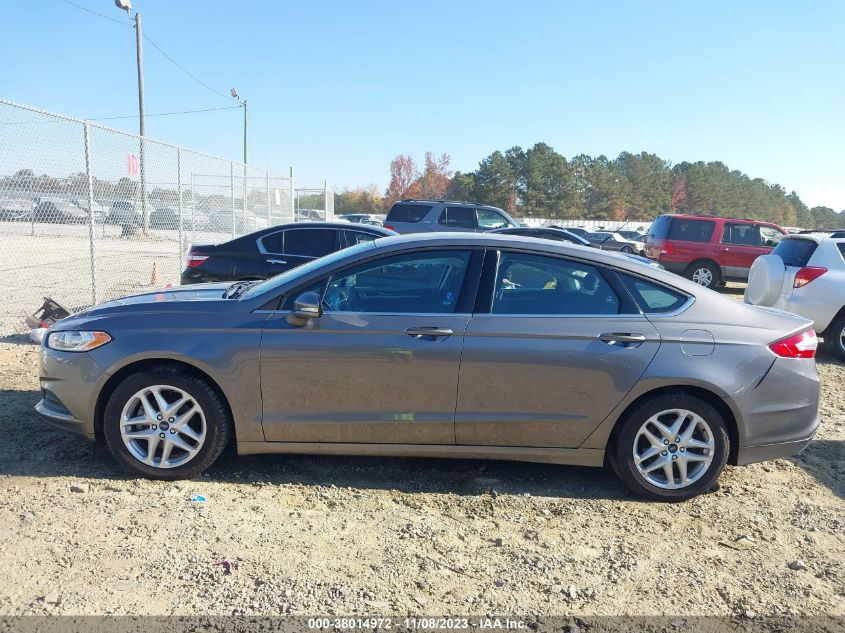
[[165, 424], [671, 448]]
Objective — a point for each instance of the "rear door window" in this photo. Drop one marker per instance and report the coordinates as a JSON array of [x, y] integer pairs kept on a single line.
[[310, 242], [690, 230], [536, 284], [770, 236], [488, 219], [274, 243], [659, 229], [740, 234], [796, 252], [841, 247], [356, 237], [404, 212], [458, 217]]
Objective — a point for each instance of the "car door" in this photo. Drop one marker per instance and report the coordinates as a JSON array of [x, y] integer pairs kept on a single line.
[[740, 246], [381, 363], [558, 346], [293, 247]]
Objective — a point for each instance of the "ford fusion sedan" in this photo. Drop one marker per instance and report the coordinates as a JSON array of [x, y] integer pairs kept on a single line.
[[448, 345]]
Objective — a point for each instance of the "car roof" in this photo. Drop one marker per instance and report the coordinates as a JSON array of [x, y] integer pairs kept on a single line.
[[454, 202], [704, 216], [346, 226], [503, 240], [817, 237]]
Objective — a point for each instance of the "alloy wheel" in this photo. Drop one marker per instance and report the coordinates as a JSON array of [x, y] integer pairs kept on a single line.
[[673, 449], [162, 426], [703, 276]]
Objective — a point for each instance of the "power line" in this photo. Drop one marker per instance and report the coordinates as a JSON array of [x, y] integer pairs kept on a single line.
[[128, 116], [87, 10], [154, 45], [180, 67], [135, 116]]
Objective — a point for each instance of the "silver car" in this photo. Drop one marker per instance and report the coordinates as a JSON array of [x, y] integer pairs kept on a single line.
[[435, 216], [448, 345]]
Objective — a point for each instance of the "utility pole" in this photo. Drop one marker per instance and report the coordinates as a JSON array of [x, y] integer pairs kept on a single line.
[[244, 131], [140, 55]]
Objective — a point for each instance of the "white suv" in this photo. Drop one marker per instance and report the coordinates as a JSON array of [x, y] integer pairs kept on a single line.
[[805, 274]]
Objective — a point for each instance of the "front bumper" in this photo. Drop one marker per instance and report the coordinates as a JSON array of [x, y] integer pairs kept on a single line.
[[63, 420], [70, 383]]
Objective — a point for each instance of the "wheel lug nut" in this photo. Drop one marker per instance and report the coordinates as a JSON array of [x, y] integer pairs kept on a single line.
[[174, 430], [161, 435], [158, 417], [674, 458], [683, 449], [170, 420], [664, 453], [155, 426], [677, 439], [666, 442]]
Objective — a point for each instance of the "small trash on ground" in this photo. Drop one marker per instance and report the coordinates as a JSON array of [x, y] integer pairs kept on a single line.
[[47, 314], [227, 566], [198, 498]]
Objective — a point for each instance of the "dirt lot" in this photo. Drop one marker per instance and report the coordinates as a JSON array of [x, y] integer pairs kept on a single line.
[[309, 535]]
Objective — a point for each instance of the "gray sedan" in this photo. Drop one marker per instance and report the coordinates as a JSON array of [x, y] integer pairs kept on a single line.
[[448, 345]]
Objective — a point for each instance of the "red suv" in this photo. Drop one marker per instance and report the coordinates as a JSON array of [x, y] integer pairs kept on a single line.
[[707, 249]]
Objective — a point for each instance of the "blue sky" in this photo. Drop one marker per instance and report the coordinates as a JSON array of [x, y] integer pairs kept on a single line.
[[336, 89]]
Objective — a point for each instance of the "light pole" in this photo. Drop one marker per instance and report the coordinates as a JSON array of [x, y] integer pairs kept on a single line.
[[234, 94], [126, 5]]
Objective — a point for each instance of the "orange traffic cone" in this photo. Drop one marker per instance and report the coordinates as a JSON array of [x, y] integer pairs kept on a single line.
[[155, 280]]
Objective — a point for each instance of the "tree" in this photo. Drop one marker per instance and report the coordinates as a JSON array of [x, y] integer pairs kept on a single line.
[[495, 182], [436, 177], [404, 180]]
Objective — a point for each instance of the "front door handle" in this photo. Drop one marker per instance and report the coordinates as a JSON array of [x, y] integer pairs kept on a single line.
[[426, 332], [617, 337], [276, 261]]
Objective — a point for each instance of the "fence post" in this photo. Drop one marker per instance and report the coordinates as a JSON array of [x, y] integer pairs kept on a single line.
[[243, 204], [91, 243], [232, 191], [269, 207], [292, 196], [181, 209], [326, 200]]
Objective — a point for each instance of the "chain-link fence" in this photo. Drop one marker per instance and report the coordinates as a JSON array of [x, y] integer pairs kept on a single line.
[[314, 204], [89, 213]]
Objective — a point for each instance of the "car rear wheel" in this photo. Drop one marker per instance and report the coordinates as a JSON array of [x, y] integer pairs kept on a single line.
[[164, 424], [834, 338], [704, 274], [671, 448]]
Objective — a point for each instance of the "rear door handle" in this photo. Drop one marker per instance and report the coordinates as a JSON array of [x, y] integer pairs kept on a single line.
[[425, 332], [276, 261], [617, 337]]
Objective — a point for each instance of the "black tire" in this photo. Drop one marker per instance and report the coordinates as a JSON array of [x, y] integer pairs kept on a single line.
[[621, 456], [627, 250], [834, 338], [217, 418], [695, 271]]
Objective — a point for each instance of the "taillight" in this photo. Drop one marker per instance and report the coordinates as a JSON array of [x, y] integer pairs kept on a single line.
[[389, 228], [666, 249], [806, 275], [195, 259], [801, 345]]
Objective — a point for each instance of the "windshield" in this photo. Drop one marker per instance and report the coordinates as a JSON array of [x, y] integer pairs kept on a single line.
[[272, 283]]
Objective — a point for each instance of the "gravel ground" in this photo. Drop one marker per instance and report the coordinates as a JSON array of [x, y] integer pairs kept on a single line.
[[331, 535]]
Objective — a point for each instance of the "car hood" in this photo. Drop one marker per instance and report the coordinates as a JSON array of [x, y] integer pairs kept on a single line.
[[193, 298]]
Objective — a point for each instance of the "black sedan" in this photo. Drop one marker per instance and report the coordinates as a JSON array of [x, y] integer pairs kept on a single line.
[[272, 251]]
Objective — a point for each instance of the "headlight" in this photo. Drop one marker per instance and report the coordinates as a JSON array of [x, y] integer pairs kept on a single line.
[[71, 341]]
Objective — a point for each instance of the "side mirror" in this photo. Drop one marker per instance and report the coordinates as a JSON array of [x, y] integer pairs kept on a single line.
[[307, 306]]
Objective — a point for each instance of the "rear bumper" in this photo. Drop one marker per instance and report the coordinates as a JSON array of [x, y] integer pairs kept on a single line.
[[765, 452], [673, 267]]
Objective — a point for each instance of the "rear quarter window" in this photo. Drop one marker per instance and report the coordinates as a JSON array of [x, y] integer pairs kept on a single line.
[[660, 227], [841, 247], [652, 298], [691, 230], [401, 212], [796, 252]]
